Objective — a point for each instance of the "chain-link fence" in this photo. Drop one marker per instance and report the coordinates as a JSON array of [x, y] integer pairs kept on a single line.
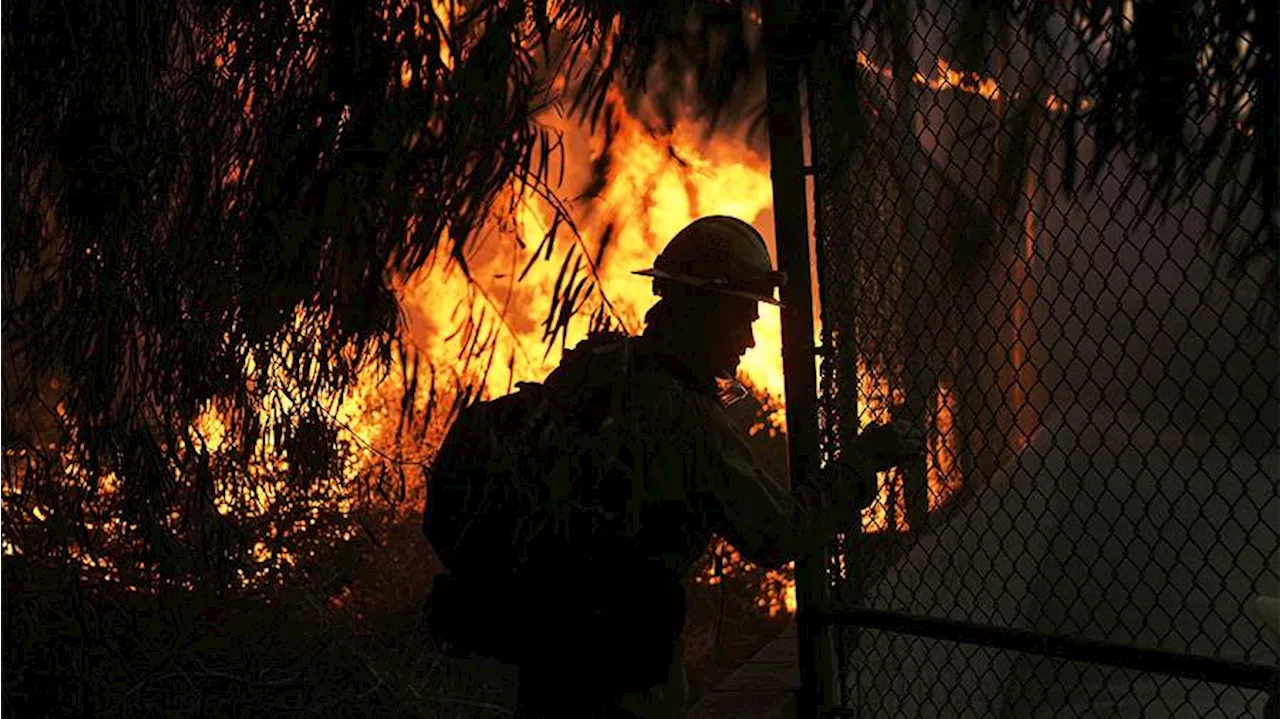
[[1097, 512]]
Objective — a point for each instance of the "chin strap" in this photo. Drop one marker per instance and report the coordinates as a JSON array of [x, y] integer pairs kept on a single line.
[[730, 392]]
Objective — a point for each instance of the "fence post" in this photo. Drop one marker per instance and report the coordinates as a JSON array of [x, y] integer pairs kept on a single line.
[[783, 43]]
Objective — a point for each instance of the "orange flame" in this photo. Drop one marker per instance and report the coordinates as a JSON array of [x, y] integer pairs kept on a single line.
[[944, 77], [657, 184]]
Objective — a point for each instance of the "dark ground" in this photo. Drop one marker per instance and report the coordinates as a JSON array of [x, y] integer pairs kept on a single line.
[[74, 649]]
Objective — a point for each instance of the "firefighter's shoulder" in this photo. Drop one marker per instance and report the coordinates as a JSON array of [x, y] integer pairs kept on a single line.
[[602, 342]]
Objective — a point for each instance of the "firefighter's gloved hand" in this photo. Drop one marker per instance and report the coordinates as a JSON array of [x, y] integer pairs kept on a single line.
[[886, 445], [850, 485]]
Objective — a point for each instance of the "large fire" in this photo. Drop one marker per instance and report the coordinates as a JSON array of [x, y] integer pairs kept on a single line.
[[656, 183]]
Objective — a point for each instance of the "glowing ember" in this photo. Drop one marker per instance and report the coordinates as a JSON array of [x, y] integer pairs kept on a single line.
[[777, 588]]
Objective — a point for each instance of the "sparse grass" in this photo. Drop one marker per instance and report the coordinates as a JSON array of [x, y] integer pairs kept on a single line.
[[71, 649], [97, 651]]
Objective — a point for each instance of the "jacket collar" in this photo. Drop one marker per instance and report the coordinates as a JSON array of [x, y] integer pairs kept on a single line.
[[661, 350]]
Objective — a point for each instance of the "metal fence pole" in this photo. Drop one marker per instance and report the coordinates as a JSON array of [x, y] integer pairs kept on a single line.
[[782, 21]]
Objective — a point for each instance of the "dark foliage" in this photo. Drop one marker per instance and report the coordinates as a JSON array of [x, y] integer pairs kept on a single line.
[[210, 200], [1187, 88]]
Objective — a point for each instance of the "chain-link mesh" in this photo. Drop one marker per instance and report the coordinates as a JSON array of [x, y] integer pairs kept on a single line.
[[1098, 393]]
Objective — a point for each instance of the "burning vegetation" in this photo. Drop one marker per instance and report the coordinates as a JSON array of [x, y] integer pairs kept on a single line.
[[328, 226]]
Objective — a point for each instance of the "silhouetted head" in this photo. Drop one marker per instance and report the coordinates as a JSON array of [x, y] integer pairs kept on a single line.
[[711, 278]]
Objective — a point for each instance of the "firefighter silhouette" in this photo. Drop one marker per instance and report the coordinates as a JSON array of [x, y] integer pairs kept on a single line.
[[569, 513]]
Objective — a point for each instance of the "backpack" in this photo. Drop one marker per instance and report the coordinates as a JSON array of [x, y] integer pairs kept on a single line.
[[477, 489], [495, 520], [490, 489]]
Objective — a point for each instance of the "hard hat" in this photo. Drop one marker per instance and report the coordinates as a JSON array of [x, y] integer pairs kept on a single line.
[[720, 254]]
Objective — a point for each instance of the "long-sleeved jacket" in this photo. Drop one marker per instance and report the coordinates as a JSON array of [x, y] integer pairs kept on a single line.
[[686, 458], [680, 473]]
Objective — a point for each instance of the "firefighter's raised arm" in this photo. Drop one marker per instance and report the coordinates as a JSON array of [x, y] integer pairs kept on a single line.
[[712, 278], [771, 525]]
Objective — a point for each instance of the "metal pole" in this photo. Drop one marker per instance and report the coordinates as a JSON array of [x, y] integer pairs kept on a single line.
[[783, 39]]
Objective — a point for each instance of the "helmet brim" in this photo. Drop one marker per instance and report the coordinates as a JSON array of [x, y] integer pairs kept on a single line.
[[707, 285]]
